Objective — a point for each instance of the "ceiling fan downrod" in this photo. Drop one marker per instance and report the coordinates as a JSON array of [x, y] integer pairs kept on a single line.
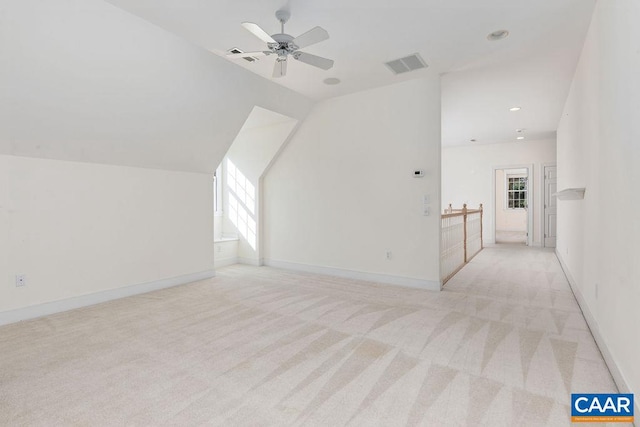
[[283, 16]]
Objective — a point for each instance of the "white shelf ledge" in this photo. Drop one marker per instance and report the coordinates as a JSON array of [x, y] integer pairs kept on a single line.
[[570, 194]]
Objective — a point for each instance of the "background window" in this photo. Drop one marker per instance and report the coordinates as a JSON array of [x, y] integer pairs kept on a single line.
[[516, 192]]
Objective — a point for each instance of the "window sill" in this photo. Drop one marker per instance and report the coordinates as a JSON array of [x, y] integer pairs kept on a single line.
[[225, 239]]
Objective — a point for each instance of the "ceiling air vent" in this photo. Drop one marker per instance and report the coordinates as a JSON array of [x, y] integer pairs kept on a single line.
[[406, 64], [248, 58]]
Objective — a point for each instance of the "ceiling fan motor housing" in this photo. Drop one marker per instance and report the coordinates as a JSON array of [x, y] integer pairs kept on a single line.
[[284, 45]]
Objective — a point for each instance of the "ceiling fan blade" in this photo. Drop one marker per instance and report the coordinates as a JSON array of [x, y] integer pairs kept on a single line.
[[316, 61], [314, 35], [258, 32], [249, 54], [280, 69]]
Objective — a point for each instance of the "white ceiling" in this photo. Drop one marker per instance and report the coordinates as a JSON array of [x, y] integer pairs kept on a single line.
[[261, 117], [532, 68]]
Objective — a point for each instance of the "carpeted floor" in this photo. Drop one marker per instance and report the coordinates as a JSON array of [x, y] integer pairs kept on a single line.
[[511, 237], [504, 344]]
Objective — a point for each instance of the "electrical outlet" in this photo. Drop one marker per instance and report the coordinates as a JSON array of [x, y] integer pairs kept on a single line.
[[21, 280], [389, 254]]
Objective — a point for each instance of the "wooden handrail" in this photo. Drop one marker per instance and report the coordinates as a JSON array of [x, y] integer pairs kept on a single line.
[[450, 212], [469, 211]]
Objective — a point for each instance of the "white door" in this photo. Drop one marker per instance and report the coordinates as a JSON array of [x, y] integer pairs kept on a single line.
[[550, 206]]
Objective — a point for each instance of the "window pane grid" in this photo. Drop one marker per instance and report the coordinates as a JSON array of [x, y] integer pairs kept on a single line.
[[517, 192]]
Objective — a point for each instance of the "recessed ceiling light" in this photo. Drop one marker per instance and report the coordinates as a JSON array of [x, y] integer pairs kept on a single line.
[[498, 35], [514, 109], [520, 137], [331, 81]]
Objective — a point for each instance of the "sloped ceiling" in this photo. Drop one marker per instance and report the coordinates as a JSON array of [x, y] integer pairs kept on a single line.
[[532, 68], [87, 81]]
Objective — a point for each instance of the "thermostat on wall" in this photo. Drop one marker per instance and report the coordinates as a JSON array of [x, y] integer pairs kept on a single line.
[[418, 173]]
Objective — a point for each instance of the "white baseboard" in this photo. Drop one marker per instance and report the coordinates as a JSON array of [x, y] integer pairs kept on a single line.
[[251, 261], [45, 309], [430, 285], [618, 377], [219, 263], [238, 260]]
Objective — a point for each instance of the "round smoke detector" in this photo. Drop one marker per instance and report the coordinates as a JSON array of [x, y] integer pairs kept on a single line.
[[498, 35], [331, 81]]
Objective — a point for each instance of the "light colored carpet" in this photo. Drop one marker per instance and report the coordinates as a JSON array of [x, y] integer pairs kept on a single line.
[[511, 236], [504, 344]]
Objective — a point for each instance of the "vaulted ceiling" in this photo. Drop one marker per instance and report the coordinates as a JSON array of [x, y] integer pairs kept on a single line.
[[532, 68]]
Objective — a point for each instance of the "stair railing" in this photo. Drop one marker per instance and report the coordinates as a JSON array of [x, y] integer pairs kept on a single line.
[[461, 239]]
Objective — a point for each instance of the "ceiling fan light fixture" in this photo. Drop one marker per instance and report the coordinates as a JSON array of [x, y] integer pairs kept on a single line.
[[498, 35]]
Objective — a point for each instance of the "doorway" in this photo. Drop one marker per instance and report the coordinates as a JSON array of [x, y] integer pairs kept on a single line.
[[512, 219]]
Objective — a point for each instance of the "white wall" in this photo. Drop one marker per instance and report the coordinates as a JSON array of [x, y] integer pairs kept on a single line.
[[467, 176], [508, 219], [83, 80], [598, 149], [342, 193], [217, 227], [77, 228], [226, 252]]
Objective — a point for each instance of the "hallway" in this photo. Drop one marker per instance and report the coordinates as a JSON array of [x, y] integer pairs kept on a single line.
[[504, 344], [541, 340]]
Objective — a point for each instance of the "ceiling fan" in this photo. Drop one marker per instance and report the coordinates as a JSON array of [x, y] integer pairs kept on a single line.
[[283, 45]]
